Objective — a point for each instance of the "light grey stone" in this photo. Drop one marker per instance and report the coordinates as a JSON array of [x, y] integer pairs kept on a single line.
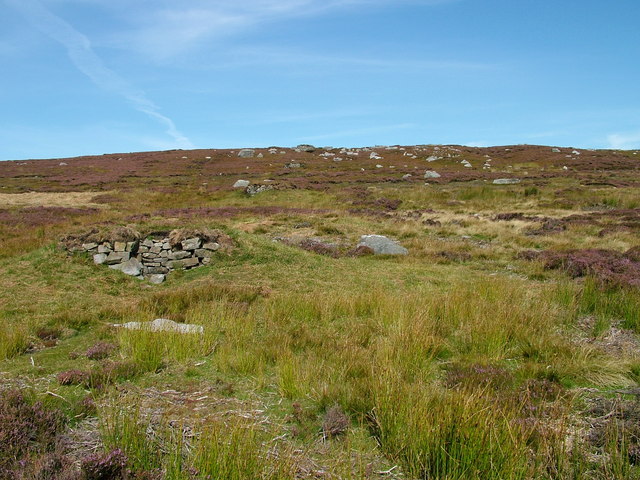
[[292, 165], [117, 257], [166, 246], [162, 325], [131, 267], [148, 243], [382, 245], [143, 249], [407, 176], [119, 246], [104, 248], [157, 278], [89, 246], [150, 255], [178, 255], [99, 258], [241, 184], [191, 243], [213, 246], [246, 153], [431, 174], [506, 181], [156, 249]]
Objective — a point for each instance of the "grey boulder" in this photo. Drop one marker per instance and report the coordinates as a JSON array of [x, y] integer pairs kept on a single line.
[[246, 153], [382, 245], [431, 174]]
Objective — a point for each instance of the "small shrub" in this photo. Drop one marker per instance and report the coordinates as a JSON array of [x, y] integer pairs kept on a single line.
[[107, 466], [73, 377], [26, 430], [100, 350], [335, 422]]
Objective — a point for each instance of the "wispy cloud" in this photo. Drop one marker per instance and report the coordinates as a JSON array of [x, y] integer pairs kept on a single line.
[[85, 59], [164, 29], [624, 141]]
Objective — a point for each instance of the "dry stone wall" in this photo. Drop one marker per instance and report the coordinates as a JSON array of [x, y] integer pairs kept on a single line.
[[153, 258]]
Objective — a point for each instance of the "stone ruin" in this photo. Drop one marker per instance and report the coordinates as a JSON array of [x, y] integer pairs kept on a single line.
[[151, 257]]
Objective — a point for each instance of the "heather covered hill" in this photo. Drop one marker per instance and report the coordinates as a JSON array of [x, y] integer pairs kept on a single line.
[[415, 312]]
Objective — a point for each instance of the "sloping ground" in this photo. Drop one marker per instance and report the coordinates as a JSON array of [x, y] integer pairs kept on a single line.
[[503, 346]]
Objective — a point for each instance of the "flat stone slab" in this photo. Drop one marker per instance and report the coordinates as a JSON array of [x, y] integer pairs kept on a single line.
[[162, 325], [179, 255], [506, 181], [185, 263], [382, 245], [117, 257], [431, 174]]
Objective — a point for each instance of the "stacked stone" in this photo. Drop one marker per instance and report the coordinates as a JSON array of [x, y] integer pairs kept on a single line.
[[152, 259]]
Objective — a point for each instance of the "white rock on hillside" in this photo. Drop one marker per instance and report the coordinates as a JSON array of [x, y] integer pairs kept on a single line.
[[162, 325]]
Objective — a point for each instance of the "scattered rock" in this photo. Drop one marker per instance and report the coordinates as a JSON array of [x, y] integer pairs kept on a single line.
[[252, 190], [246, 153], [382, 245], [99, 258], [161, 325], [431, 174], [292, 165], [241, 184], [157, 278], [305, 148]]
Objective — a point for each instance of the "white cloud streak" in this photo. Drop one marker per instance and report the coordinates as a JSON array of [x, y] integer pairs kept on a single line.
[[164, 29], [624, 141], [85, 59]]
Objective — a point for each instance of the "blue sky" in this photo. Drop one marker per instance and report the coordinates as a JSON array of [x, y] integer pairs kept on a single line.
[[99, 76]]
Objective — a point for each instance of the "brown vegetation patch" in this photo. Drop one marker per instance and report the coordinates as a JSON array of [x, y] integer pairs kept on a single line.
[[607, 266], [39, 216]]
